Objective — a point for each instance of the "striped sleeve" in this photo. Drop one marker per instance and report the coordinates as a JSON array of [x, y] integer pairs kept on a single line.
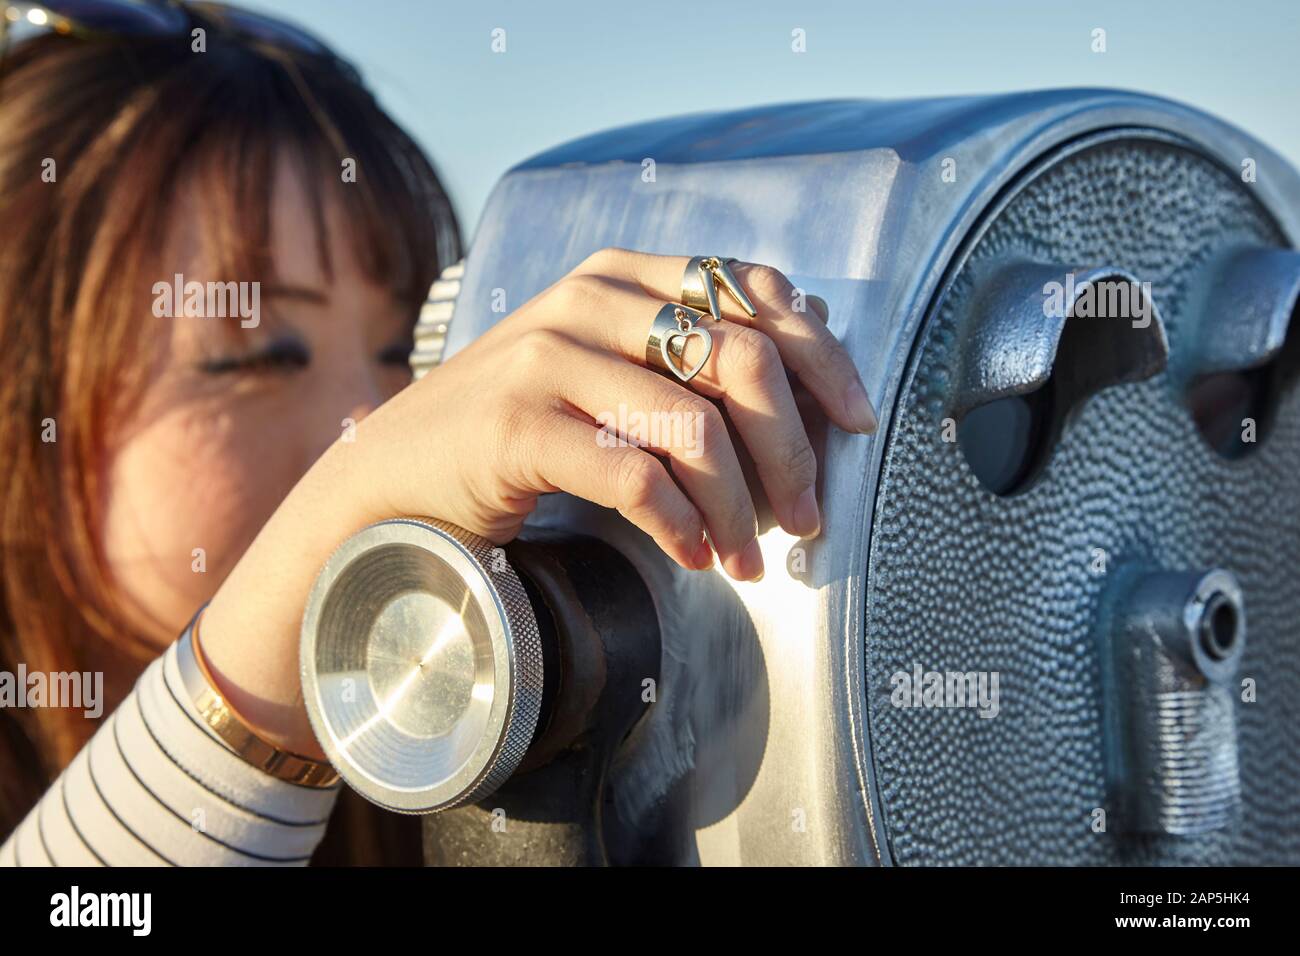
[[156, 787]]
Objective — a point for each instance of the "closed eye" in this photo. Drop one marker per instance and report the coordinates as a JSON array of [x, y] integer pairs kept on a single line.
[[399, 353], [281, 355]]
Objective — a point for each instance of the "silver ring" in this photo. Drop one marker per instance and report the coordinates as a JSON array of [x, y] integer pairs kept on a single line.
[[665, 347], [700, 282]]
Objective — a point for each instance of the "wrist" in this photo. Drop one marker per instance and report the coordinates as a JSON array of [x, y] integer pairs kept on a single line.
[[283, 725]]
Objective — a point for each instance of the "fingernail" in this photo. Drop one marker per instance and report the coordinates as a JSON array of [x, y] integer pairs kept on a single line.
[[751, 562], [747, 565], [807, 520], [820, 307], [703, 556], [858, 406]]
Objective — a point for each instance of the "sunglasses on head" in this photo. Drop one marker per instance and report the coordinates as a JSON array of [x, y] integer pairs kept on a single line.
[[157, 18]]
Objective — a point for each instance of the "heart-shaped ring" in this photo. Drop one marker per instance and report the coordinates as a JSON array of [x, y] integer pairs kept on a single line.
[[670, 332], [679, 368]]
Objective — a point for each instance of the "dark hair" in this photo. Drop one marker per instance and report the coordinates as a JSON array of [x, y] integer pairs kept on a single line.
[[128, 123]]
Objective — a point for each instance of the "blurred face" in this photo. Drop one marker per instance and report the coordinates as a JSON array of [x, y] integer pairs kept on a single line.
[[229, 422]]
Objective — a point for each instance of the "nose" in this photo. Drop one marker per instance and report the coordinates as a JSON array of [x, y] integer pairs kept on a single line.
[[346, 397], [363, 404]]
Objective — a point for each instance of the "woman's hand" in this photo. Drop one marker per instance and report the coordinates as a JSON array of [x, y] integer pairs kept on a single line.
[[515, 415]]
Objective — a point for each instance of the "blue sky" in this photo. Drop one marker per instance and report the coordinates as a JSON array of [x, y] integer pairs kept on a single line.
[[572, 68]]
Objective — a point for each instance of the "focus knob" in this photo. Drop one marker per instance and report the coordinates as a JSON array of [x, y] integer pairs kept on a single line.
[[421, 665]]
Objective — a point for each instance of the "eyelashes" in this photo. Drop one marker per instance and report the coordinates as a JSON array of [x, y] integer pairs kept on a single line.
[[399, 353], [282, 355], [288, 355]]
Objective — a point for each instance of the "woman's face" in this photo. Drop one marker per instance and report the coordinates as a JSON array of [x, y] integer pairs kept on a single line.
[[228, 423]]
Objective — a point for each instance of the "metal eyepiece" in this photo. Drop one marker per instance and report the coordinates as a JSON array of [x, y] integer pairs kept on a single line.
[[421, 665]]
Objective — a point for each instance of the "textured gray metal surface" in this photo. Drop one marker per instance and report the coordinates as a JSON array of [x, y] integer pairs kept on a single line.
[[758, 749], [964, 580]]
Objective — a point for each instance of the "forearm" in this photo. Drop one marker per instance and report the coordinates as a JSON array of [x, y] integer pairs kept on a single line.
[[250, 628]]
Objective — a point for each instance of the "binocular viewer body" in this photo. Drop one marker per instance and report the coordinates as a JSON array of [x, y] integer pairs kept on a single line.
[[1075, 312]]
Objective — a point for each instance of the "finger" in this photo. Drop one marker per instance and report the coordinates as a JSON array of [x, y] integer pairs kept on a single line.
[[806, 345], [744, 369], [649, 410], [565, 454], [819, 307]]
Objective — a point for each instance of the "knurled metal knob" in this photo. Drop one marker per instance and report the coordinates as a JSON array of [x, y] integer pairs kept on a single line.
[[421, 665], [435, 320]]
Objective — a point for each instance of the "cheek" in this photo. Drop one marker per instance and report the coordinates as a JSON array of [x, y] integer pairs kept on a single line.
[[186, 495]]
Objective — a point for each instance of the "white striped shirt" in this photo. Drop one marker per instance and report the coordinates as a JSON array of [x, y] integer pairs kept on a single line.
[[155, 786]]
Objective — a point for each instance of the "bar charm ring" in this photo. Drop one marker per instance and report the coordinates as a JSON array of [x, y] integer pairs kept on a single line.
[[700, 284]]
